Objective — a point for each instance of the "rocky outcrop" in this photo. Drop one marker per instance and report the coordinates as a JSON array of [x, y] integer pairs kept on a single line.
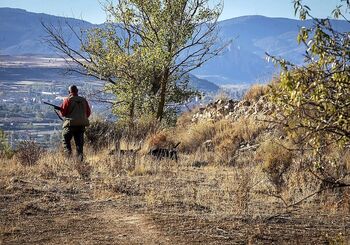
[[232, 110]]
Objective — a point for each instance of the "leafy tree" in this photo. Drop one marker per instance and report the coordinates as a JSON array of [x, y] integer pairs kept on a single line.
[[145, 51], [313, 100]]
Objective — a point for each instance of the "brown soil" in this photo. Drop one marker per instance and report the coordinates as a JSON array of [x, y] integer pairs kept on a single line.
[[73, 211]]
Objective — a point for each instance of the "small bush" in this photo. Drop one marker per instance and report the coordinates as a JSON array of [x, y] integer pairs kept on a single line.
[[276, 161], [28, 153], [100, 134], [146, 124]]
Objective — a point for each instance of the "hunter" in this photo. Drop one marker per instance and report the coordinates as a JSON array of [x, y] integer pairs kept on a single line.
[[76, 111]]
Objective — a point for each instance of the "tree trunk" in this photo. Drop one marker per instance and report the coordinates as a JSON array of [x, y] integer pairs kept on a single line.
[[132, 113], [161, 103]]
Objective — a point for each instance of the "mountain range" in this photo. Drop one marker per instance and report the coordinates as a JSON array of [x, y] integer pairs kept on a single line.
[[243, 61]]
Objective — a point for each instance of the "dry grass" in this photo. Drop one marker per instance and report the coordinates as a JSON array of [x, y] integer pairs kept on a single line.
[[255, 92], [276, 160], [167, 184], [141, 183], [225, 136], [230, 136], [249, 171], [193, 136], [186, 118]]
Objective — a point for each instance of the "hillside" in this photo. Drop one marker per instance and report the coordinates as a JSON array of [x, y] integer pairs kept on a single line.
[[242, 62], [233, 183]]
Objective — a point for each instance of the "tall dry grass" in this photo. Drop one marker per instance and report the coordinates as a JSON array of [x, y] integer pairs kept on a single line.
[[193, 136], [256, 92], [180, 187]]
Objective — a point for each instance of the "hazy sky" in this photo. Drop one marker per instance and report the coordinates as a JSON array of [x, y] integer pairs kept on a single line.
[[91, 11]]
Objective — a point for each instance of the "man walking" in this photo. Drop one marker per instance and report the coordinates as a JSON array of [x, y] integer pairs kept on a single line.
[[76, 111]]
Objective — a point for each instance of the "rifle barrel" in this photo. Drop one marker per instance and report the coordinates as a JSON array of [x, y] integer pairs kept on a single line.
[[54, 106]]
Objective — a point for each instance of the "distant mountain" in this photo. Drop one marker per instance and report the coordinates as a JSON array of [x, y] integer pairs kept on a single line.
[[21, 32], [243, 61], [203, 85]]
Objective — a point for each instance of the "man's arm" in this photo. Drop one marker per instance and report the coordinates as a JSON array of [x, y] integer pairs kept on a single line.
[[64, 107]]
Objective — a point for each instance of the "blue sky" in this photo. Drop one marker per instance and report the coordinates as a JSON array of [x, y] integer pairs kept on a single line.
[[91, 11]]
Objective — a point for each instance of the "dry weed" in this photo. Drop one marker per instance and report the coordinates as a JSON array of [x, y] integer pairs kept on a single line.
[[142, 169], [276, 159], [28, 153], [229, 136], [256, 92], [195, 135], [185, 119], [55, 165]]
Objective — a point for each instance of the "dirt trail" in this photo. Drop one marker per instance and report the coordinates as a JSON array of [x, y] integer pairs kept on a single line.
[[68, 211], [134, 227], [54, 213]]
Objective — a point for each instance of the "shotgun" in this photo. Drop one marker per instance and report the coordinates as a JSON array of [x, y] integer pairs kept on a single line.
[[56, 108]]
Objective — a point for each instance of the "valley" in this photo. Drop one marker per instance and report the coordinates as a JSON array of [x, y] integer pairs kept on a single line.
[[27, 81]]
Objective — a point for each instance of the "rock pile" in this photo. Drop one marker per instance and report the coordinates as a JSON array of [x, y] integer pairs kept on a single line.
[[232, 110]]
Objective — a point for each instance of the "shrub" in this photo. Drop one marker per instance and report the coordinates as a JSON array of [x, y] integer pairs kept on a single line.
[[5, 149], [101, 134], [28, 153], [255, 92], [146, 124], [314, 96], [276, 159]]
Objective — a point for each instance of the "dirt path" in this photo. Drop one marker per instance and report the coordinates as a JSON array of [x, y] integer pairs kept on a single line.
[[37, 211], [136, 227], [56, 213]]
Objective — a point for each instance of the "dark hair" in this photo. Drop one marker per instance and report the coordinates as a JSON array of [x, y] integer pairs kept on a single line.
[[73, 89]]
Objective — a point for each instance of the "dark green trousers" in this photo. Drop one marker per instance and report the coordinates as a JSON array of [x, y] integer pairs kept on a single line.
[[76, 132]]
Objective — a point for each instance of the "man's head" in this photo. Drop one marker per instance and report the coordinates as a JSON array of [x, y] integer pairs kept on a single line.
[[73, 89]]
